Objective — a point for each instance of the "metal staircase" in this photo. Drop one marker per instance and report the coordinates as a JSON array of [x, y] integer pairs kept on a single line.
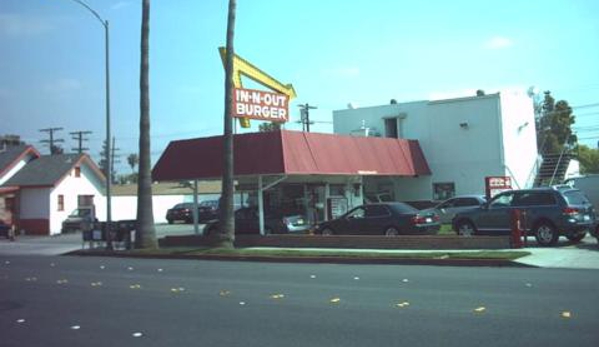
[[553, 169]]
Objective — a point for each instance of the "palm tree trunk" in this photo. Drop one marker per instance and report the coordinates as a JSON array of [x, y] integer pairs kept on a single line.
[[146, 232], [227, 221]]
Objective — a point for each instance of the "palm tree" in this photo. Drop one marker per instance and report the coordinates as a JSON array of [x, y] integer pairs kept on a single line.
[[133, 160], [145, 218], [227, 233]]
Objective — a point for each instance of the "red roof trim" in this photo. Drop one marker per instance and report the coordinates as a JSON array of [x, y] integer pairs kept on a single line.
[[292, 153]]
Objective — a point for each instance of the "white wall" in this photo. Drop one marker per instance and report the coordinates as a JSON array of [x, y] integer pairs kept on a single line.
[[519, 137], [463, 140], [71, 187], [34, 203], [125, 207]]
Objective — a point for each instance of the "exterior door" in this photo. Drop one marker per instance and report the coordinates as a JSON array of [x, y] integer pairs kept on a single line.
[[495, 219]]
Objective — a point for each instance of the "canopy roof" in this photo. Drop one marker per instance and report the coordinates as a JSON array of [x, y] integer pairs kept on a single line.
[[292, 153]]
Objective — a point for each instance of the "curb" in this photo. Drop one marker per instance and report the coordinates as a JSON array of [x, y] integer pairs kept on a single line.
[[312, 260]]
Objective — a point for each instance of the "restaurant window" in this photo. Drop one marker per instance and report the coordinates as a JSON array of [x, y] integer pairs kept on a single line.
[[61, 202], [443, 190]]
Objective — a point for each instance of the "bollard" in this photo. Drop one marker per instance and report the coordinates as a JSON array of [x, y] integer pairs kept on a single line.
[[517, 227]]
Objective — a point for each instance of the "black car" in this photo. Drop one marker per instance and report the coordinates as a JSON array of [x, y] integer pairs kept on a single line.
[[550, 212], [207, 210], [247, 222], [390, 219]]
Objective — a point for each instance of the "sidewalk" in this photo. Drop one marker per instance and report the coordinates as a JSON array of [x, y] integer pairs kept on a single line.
[[41, 245]]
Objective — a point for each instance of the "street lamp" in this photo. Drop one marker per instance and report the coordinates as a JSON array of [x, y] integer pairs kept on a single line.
[[107, 154]]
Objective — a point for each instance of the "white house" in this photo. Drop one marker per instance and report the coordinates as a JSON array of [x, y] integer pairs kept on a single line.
[[464, 140], [12, 159], [48, 188]]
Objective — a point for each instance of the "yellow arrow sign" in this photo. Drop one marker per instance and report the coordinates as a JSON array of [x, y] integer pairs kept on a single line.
[[249, 70]]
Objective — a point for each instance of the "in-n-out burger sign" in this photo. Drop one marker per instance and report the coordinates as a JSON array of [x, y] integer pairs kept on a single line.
[[261, 105]]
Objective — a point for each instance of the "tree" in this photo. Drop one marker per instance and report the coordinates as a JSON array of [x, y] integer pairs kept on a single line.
[[103, 165], [133, 160], [589, 159], [226, 235], [145, 218], [269, 126], [554, 126]]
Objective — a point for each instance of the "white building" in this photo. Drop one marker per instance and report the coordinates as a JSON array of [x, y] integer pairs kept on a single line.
[[48, 188], [464, 140]]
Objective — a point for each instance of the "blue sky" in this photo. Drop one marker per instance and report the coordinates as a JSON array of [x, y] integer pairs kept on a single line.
[[333, 52]]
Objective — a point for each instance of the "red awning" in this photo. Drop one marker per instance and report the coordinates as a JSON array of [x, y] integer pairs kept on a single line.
[[292, 153]]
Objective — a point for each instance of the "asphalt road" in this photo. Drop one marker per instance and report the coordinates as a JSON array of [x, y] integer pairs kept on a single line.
[[72, 301]]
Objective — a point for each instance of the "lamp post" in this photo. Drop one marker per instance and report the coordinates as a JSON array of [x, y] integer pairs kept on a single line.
[[108, 151]]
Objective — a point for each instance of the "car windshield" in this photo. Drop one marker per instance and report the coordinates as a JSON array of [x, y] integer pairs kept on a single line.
[[209, 203], [80, 213]]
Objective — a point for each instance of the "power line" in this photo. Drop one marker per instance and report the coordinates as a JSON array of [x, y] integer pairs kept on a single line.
[[78, 135], [587, 106], [305, 116], [51, 141]]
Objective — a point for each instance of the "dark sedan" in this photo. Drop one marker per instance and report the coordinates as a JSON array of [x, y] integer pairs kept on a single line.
[[246, 222], [207, 210], [390, 219]]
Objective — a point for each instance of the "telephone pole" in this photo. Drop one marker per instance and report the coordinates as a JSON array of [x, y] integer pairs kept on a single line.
[[51, 141], [305, 116], [78, 135]]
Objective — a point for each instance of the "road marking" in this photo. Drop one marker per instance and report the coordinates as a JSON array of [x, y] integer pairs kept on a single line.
[[62, 281], [480, 309], [160, 270], [242, 303], [357, 278], [75, 327], [402, 304], [20, 321], [405, 280], [138, 334], [224, 292], [277, 296], [335, 300], [135, 286], [312, 276], [566, 314]]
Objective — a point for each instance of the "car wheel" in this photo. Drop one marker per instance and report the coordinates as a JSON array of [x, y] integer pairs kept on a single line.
[[546, 234], [466, 228], [327, 232], [577, 237], [391, 231]]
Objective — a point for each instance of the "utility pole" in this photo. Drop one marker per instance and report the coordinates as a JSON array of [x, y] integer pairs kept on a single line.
[[53, 149], [113, 155], [305, 116], [78, 135]]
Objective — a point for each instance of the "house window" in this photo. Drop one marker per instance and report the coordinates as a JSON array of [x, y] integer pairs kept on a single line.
[[443, 190], [391, 128], [61, 202], [77, 171]]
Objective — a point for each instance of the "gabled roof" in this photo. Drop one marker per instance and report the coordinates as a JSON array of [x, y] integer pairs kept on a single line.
[[292, 153], [11, 156], [49, 170]]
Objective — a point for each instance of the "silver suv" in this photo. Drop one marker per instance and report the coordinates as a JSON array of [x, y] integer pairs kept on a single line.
[[550, 212]]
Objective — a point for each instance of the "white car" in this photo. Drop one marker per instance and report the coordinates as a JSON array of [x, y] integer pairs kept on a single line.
[[448, 208]]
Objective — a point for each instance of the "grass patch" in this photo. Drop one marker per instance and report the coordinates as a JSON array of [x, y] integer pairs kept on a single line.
[[291, 253]]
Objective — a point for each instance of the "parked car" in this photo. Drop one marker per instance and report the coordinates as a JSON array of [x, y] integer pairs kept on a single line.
[[4, 228], [550, 212], [390, 219], [207, 210], [448, 208], [80, 219], [246, 222]]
